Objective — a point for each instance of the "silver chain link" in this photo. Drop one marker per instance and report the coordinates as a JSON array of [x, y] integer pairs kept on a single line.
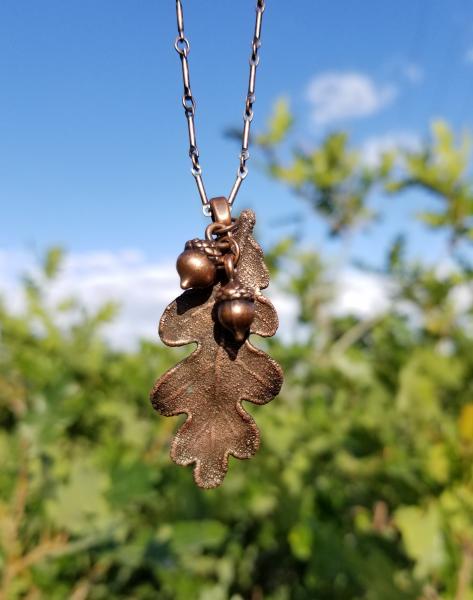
[[182, 47]]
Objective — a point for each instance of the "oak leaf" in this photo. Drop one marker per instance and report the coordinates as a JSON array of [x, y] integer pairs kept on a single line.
[[210, 385]]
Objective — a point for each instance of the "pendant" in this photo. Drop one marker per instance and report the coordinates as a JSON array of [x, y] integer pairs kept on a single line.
[[221, 306]]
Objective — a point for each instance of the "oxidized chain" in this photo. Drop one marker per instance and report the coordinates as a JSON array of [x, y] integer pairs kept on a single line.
[[182, 46]]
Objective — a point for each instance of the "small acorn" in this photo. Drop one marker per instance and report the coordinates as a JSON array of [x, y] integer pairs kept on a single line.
[[236, 309], [195, 269]]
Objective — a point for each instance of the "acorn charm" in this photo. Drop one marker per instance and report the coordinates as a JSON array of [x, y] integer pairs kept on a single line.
[[197, 265], [236, 308]]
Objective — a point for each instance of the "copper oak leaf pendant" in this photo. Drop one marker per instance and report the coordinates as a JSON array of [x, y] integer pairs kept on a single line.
[[225, 368]]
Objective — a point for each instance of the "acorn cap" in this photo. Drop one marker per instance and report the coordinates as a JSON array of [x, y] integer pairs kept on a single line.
[[207, 247], [234, 291]]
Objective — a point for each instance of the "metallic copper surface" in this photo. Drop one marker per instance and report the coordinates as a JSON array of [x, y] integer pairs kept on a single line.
[[195, 269], [210, 385], [236, 316], [236, 308], [211, 248], [220, 210]]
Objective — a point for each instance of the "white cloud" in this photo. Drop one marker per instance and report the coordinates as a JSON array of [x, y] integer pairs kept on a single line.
[[469, 56], [361, 294], [336, 96], [373, 148], [144, 288], [141, 287]]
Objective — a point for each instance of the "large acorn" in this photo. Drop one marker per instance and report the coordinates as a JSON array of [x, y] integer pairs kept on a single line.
[[197, 265], [236, 308]]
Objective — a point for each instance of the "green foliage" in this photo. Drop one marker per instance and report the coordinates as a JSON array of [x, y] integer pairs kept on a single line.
[[442, 168], [279, 125], [332, 177], [363, 487]]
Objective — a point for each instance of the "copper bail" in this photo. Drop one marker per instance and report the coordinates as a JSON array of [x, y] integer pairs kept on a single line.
[[220, 210]]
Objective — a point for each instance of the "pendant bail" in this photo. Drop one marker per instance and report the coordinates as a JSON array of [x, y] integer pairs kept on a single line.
[[220, 210]]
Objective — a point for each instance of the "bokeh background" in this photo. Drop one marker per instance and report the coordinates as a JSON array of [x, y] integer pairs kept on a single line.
[[360, 174]]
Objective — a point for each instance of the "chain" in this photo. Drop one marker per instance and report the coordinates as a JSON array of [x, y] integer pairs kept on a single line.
[[182, 47]]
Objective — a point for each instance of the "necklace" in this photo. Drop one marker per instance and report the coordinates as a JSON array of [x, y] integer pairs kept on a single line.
[[222, 275]]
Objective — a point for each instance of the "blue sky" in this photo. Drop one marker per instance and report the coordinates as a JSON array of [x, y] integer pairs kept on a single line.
[[93, 148]]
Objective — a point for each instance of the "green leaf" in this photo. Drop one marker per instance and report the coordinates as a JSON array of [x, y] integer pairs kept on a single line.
[[279, 124], [300, 540], [80, 505], [53, 261], [438, 464], [465, 422], [422, 537], [433, 219], [130, 483], [194, 536]]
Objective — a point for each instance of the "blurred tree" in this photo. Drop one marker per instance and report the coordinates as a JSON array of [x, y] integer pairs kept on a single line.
[[363, 487]]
